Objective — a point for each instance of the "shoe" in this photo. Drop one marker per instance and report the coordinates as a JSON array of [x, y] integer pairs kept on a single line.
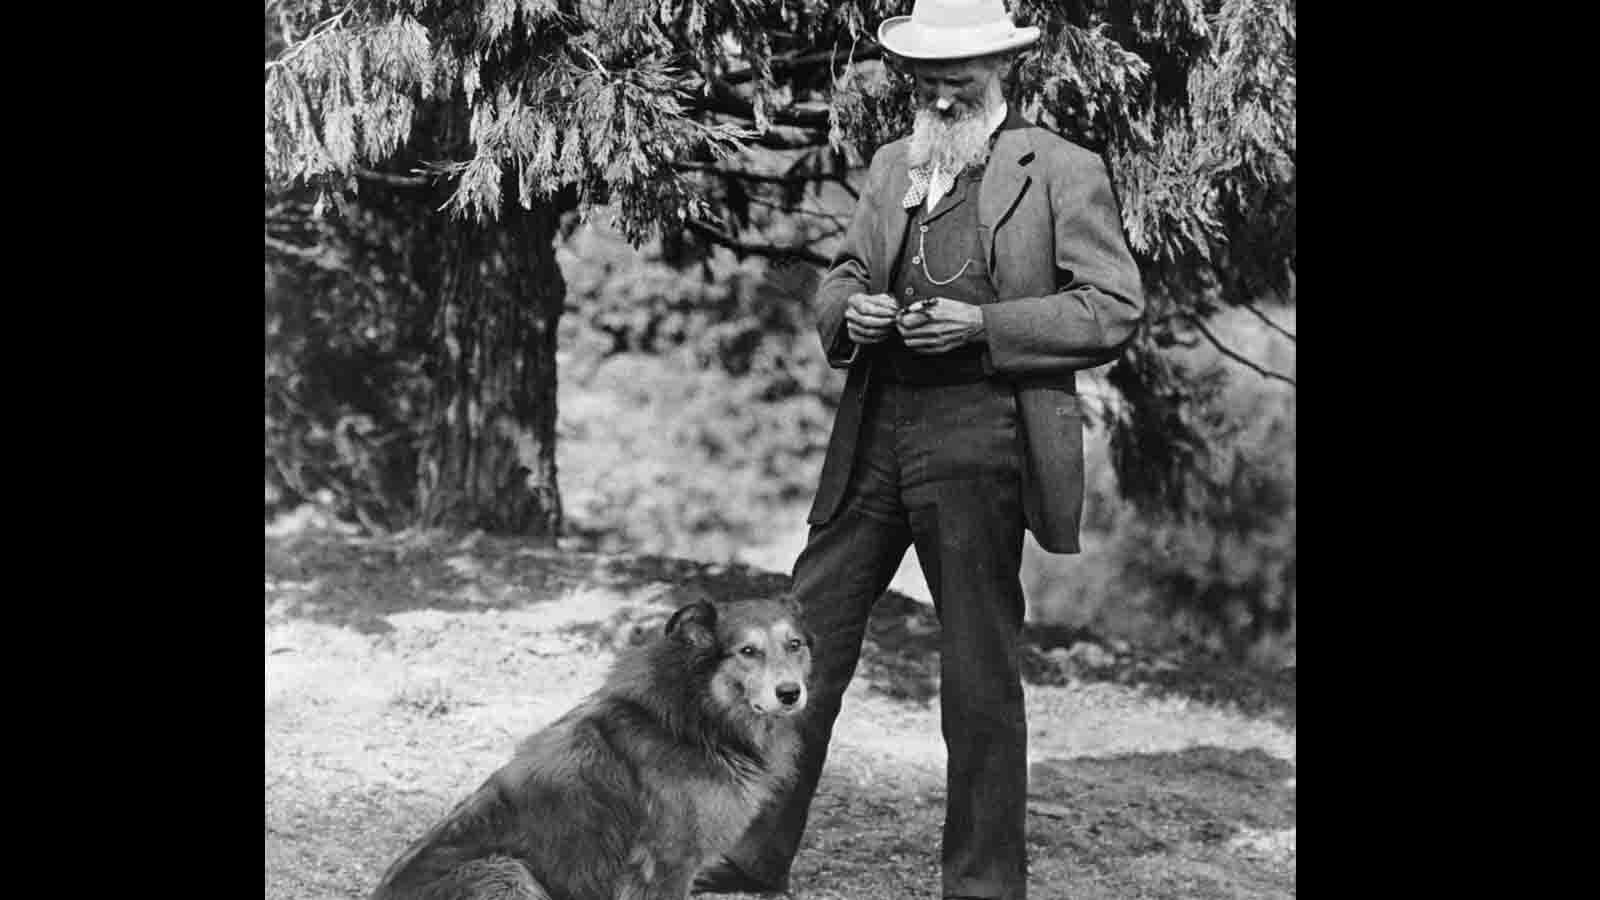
[[723, 877]]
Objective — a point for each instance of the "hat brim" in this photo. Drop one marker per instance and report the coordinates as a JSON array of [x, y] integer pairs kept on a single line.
[[905, 38]]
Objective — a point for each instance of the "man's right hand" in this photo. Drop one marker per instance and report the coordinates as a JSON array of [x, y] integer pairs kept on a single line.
[[869, 318]]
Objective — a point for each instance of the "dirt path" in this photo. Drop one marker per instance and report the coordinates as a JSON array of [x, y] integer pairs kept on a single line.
[[399, 674]]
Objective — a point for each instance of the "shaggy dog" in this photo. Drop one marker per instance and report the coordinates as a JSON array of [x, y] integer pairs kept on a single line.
[[654, 775]]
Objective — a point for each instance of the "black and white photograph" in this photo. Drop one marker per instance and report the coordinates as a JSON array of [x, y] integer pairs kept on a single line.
[[799, 449]]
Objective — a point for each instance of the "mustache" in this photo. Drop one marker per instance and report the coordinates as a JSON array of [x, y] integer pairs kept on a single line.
[[949, 110], [944, 105]]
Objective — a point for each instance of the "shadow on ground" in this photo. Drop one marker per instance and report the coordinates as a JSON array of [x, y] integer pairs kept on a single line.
[[1145, 803], [356, 583], [1201, 824]]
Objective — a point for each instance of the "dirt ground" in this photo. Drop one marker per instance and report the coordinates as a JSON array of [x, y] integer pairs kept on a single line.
[[400, 672]]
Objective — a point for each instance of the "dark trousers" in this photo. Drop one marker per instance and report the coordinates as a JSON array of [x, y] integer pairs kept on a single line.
[[937, 466]]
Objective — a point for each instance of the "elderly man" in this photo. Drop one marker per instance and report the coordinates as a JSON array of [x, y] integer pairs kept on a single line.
[[985, 264]]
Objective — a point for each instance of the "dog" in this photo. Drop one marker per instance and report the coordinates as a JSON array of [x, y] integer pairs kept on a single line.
[[651, 777]]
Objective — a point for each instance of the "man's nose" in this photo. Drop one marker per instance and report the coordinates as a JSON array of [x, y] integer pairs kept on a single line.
[[943, 103], [788, 693]]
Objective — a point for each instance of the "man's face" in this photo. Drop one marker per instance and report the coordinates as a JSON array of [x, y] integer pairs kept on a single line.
[[958, 88]]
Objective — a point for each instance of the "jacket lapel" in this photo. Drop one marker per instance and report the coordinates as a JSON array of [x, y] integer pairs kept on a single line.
[[1005, 180]]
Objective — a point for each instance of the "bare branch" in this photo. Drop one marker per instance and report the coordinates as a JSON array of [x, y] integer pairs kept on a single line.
[[839, 222], [1269, 323], [788, 65], [726, 101], [391, 178], [716, 236], [772, 140], [1235, 355], [316, 256], [769, 179], [712, 169]]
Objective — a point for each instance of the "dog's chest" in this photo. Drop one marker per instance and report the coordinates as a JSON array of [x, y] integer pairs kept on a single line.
[[724, 809]]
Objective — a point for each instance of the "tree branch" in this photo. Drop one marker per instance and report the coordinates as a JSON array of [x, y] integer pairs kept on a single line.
[[1270, 324], [725, 100], [391, 178], [716, 236], [316, 256], [321, 28], [1235, 355], [840, 223], [759, 178], [775, 141], [785, 65]]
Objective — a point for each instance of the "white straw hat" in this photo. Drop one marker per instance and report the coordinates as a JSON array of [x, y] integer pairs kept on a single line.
[[954, 29]]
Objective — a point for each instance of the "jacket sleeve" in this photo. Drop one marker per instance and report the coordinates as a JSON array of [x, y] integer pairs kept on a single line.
[[849, 272], [1099, 303]]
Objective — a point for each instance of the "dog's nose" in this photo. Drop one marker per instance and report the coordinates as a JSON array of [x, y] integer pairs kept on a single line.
[[788, 693]]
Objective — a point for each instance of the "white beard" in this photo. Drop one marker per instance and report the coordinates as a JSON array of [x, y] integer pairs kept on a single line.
[[950, 144]]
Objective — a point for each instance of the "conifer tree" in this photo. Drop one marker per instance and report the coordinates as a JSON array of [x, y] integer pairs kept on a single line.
[[476, 124]]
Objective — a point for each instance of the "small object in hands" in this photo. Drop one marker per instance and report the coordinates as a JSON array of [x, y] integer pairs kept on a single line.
[[919, 306]]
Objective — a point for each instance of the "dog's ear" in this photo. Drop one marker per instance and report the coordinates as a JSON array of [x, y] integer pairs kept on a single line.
[[695, 623]]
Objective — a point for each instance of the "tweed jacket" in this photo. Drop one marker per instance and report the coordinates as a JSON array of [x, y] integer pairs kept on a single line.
[[1068, 298]]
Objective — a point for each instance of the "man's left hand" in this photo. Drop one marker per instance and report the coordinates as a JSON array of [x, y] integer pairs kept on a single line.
[[942, 327]]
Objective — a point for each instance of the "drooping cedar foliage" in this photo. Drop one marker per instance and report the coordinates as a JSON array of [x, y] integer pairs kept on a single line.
[[467, 127]]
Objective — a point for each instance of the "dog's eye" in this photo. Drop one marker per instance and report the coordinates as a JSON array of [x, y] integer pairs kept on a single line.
[[794, 645], [748, 651]]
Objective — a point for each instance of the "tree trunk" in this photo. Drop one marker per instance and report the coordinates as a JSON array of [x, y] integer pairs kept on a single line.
[[488, 455]]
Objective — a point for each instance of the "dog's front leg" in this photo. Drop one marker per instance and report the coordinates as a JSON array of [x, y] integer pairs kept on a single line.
[[649, 877]]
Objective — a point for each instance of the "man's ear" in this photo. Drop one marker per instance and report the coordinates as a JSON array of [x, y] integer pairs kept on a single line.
[[1009, 67], [695, 623]]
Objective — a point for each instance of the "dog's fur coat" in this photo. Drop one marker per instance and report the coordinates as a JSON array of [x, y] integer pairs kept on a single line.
[[648, 779]]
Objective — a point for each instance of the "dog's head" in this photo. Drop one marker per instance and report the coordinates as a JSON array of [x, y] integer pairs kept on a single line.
[[761, 651]]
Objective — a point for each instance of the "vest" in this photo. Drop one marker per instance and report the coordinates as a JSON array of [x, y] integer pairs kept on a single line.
[[940, 256]]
